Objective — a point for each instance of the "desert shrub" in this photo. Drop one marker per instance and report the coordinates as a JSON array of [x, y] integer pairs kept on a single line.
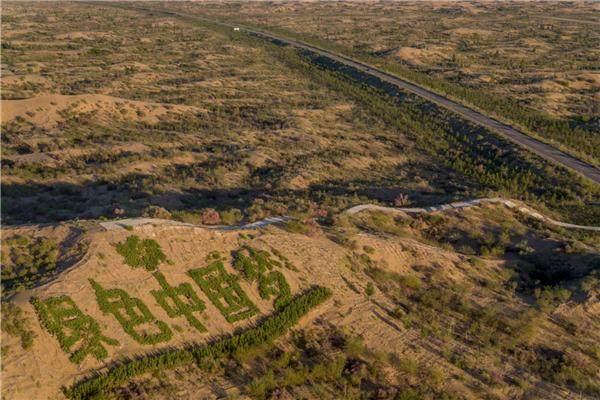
[[27, 257], [300, 227], [548, 298], [14, 323], [268, 329], [557, 367], [77, 333], [210, 217], [232, 216], [138, 252], [156, 212], [131, 313], [370, 289]]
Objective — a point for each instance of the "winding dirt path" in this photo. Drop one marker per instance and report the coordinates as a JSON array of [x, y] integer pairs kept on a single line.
[[123, 223]]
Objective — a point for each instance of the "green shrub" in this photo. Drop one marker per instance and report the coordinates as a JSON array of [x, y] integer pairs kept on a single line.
[[24, 259], [231, 217], [549, 297], [14, 323], [183, 301], [141, 253], [257, 264]]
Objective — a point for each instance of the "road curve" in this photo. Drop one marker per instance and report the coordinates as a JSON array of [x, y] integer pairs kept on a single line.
[[131, 222]]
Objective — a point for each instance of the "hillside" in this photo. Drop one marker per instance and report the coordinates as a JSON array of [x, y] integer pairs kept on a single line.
[[460, 303]]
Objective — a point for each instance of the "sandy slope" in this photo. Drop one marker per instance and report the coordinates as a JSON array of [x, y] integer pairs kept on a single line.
[[46, 110]]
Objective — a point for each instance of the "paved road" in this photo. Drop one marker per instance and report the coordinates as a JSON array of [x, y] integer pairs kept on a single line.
[[538, 147], [122, 223]]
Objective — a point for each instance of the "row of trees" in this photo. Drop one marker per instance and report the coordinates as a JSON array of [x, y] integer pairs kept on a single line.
[[268, 329]]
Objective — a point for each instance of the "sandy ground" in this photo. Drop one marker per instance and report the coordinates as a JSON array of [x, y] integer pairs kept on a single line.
[[41, 371], [45, 111]]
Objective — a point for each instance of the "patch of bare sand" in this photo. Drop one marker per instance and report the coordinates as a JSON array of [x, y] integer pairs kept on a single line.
[[471, 32], [85, 35], [417, 56], [45, 111]]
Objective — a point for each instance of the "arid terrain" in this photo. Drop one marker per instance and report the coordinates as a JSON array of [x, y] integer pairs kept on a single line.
[[146, 150]]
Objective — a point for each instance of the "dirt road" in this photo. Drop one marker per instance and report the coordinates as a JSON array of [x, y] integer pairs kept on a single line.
[[122, 223]]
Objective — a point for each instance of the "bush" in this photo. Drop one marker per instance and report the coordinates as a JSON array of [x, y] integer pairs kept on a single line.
[[549, 297], [15, 324], [141, 253], [231, 217], [210, 217], [27, 257]]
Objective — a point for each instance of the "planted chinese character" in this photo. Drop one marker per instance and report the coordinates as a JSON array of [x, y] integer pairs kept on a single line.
[[223, 290], [77, 333], [179, 301], [133, 315], [258, 265]]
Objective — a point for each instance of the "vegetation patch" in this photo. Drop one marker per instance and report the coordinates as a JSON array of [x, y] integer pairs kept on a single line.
[[257, 265], [77, 333], [133, 315], [138, 252], [179, 301], [24, 259], [268, 329], [223, 290], [16, 324]]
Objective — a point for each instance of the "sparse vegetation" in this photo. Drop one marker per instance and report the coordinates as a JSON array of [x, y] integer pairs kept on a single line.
[[16, 324]]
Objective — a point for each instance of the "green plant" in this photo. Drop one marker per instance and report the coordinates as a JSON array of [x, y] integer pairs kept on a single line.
[[14, 323], [258, 265], [138, 252], [131, 313], [24, 259], [268, 329], [183, 301], [224, 291], [76, 332], [274, 284]]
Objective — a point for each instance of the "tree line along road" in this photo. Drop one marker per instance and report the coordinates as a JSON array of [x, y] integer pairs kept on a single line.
[[544, 150]]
